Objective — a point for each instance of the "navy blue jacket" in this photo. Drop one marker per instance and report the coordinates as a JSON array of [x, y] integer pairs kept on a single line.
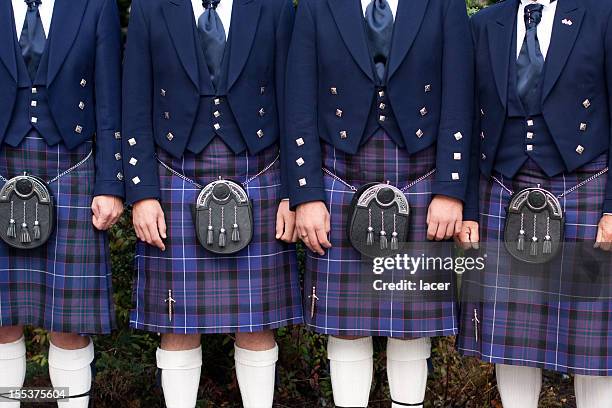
[[84, 66], [576, 89], [430, 87], [161, 75]]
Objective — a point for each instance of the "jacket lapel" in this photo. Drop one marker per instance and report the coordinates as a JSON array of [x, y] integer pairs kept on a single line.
[[245, 20], [407, 24], [7, 38], [349, 19], [568, 20], [179, 20], [500, 32], [67, 17]]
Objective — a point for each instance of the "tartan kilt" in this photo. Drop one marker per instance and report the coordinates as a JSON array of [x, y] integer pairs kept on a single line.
[[532, 316], [253, 290], [65, 285], [343, 303]]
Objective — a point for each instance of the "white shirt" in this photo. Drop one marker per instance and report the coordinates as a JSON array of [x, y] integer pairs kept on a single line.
[[224, 9], [545, 27], [392, 4], [20, 9]]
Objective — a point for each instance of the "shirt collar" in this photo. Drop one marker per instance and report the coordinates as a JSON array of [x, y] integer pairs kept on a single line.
[[543, 2]]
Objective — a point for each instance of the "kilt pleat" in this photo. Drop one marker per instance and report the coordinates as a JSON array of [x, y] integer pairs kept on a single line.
[[532, 317], [66, 285], [344, 304], [250, 291]]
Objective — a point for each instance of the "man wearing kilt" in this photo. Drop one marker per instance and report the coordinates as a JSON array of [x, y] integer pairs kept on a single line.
[[203, 93], [544, 71], [383, 94], [60, 117]]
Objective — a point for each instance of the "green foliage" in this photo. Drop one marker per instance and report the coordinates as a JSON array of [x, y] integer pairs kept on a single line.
[[126, 373]]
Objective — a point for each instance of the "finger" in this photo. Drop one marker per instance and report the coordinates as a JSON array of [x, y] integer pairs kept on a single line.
[[138, 232], [95, 208], [441, 231], [306, 242], [295, 236], [161, 225], [96, 222], [450, 230], [323, 240], [314, 242], [432, 227], [475, 237], [458, 227], [146, 236], [280, 225], [155, 237], [599, 240]]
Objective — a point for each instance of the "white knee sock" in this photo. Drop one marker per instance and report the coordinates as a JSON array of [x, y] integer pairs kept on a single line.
[[180, 376], [407, 370], [519, 387], [351, 365], [12, 368], [256, 371], [593, 392], [71, 369]]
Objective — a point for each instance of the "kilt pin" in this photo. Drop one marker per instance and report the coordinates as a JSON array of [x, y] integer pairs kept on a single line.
[[65, 285], [516, 325], [344, 304], [250, 291]]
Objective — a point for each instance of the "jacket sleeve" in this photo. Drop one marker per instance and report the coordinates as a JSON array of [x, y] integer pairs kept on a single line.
[[107, 82], [283, 39], [607, 207], [455, 131], [471, 210], [302, 146], [140, 165]]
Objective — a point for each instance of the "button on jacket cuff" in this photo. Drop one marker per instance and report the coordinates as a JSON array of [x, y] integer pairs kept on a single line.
[[111, 188], [451, 189], [306, 195], [142, 192]]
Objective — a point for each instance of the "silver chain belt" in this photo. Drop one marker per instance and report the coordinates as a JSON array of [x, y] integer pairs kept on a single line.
[[403, 190], [199, 186], [566, 192], [64, 173]]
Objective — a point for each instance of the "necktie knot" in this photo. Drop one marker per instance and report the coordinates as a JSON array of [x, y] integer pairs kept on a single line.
[[33, 4], [533, 15], [210, 4]]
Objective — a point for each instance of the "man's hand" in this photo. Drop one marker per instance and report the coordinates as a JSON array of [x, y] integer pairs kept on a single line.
[[469, 236], [285, 223], [444, 218], [604, 233], [149, 222], [312, 222], [106, 211]]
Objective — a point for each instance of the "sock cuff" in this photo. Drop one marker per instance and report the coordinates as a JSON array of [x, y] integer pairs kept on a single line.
[[71, 360], [349, 350], [253, 358], [14, 350], [179, 360], [408, 350]]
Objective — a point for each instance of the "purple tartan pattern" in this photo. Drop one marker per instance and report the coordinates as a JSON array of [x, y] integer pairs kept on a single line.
[[253, 290], [519, 325], [343, 306], [65, 286]]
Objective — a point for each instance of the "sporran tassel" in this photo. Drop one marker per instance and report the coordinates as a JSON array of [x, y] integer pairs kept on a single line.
[[534, 239], [383, 233], [235, 229], [25, 233], [222, 238], [520, 245], [547, 250], [12, 228], [394, 241], [370, 235], [210, 238], [36, 226], [36, 230]]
